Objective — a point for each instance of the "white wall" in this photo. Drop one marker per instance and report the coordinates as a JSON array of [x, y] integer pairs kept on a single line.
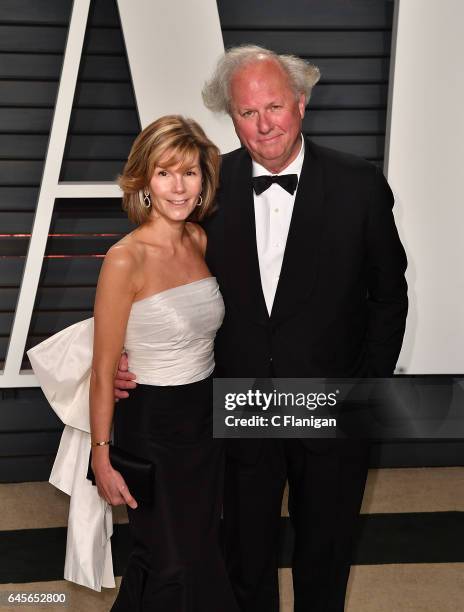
[[172, 48], [425, 168]]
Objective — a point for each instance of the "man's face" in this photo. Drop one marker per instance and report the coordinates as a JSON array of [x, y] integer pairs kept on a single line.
[[266, 115]]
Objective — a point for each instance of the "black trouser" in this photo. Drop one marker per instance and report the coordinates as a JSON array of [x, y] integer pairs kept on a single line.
[[325, 494]]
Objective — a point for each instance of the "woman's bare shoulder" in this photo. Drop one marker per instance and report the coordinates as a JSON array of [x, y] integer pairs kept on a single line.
[[126, 253], [198, 234], [122, 267]]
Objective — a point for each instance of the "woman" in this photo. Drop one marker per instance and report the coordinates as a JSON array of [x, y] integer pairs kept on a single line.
[[157, 300]]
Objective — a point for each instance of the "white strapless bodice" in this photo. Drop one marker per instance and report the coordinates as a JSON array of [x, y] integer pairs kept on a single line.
[[170, 335]]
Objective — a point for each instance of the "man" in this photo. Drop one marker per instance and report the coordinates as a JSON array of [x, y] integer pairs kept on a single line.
[[312, 273]]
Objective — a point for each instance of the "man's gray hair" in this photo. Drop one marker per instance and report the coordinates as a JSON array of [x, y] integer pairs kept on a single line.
[[216, 93]]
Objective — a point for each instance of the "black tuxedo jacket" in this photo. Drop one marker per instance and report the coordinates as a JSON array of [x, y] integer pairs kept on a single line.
[[341, 302]]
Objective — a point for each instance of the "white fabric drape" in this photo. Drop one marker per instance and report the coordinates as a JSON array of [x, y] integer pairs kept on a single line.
[[62, 364]]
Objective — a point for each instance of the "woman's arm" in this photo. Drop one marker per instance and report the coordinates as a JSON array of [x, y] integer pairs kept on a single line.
[[115, 293]]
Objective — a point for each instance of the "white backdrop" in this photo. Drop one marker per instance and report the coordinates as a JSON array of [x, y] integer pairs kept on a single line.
[[172, 48], [425, 168]]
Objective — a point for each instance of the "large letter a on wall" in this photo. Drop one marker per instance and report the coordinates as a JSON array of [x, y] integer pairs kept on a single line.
[[172, 48]]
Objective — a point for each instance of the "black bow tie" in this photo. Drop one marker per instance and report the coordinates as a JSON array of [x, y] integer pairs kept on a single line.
[[286, 181]]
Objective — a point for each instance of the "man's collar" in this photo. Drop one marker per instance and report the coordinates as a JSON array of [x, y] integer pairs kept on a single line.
[[293, 167]]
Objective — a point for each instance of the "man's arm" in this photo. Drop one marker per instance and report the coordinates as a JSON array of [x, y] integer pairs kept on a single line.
[[387, 289], [124, 379]]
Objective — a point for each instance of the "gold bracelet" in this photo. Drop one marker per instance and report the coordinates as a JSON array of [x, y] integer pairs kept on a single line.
[[105, 443]]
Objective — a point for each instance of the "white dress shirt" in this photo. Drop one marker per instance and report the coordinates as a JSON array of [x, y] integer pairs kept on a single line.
[[273, 213]]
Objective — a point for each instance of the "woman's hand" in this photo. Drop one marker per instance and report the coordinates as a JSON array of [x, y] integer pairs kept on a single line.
[[110, 483]]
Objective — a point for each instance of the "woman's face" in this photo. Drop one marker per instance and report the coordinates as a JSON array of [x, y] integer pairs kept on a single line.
[[175, 189]]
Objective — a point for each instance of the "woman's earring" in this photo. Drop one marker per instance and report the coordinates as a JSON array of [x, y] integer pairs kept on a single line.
[[146, 199], [200, 200]]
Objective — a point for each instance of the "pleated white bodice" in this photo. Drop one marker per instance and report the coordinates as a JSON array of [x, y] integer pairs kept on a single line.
[[170, 335]]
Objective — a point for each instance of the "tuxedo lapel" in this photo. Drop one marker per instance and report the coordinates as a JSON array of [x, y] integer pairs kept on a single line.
[[243, 276], [300, 263]]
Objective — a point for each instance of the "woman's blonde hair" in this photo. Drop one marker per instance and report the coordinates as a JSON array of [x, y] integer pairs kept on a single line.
[[173, 139]]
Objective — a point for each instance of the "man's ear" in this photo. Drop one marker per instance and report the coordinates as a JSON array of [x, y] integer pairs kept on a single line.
[[302, 105]]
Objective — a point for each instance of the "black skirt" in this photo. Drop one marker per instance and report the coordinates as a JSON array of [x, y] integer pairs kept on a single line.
[[176, 563]]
